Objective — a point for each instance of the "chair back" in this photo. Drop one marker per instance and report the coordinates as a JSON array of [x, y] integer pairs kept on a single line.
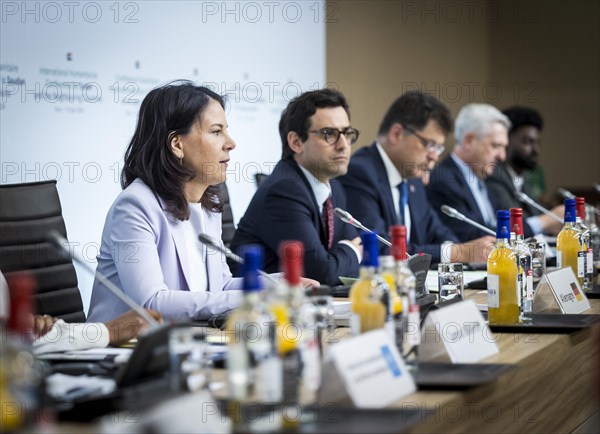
[[226, 215], [29, 212]]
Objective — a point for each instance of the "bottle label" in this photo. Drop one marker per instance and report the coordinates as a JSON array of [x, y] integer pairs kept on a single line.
[[590, 262], [312, 365], [581, 263], [529, 285], [292, 372], [238, 369], [493, 284], [390, 329], [558, 259], [520, 286], [414, 327], [269, 379], [355, 324]]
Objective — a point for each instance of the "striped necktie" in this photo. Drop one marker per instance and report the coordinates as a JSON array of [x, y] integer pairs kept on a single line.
[[328, 221]]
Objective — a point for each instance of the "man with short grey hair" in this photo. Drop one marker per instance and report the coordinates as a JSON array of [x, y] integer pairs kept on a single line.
[[481, 138]]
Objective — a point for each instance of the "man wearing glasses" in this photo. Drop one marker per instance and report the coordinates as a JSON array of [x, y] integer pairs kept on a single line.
[[481, 138], [297, 200], [385, 181]]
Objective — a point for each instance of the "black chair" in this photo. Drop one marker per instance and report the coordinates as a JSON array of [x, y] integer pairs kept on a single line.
[[28, 213], [226, 216]]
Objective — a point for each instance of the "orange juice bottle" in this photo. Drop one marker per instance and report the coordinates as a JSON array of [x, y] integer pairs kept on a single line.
[[368, 298], [568, 247], [502, 273]]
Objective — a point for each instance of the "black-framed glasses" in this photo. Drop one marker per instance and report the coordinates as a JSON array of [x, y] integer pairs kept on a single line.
[[430, 145], [332, 135]]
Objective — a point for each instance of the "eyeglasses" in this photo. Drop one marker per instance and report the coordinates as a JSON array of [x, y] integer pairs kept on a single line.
[[430, 145], [332, 135]]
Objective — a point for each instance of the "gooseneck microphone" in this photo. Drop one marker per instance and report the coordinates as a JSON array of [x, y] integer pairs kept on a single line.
[[346, 217], [566, 193], [62, 242], [451, 212], [211, 242], [524, 198]]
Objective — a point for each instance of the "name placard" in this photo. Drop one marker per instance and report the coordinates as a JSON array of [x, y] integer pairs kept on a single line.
[[371, 370], [458, 333], [564, 286]]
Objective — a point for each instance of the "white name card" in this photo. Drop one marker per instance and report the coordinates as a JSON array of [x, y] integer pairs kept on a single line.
[[457, 332], [564, 286], [371, 370]]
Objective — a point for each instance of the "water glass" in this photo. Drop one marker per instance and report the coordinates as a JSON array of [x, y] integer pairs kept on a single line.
[[538, 260], [187, 353], [450, 281]]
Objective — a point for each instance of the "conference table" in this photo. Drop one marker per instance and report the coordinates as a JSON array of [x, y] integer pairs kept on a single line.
[[553, 385]]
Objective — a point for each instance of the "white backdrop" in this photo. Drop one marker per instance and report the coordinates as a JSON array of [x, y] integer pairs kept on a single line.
[[73, 75]]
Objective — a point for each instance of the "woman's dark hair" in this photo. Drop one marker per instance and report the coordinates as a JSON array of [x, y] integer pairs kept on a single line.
[[165, 112], [296, 116]]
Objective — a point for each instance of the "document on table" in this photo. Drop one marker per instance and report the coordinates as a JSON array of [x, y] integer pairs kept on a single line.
[[118, 355]]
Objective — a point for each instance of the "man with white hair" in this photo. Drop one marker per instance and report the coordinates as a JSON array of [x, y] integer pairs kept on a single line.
[[481, 138]]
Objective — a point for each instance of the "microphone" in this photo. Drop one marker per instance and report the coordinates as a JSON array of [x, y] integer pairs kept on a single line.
[[62, 242], [346, 217], [451, 212], [211, 242], [524, 198], [568, 195]]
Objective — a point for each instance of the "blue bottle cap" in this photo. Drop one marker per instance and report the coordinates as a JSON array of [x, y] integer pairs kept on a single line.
[[570, 215], [252, 263], [503, 224], [370, 249]]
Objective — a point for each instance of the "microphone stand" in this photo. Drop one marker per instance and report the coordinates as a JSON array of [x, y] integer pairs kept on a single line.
[[451, 212], [62, 242], [211, 242], [524, 198]]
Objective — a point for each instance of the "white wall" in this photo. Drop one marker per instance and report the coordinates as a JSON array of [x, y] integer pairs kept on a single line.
[[73, 75]]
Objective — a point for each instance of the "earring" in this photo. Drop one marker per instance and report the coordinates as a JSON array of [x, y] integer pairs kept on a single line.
[[181, 160]]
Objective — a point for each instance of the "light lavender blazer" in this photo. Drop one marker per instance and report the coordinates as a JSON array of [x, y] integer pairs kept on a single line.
[[143, 253]]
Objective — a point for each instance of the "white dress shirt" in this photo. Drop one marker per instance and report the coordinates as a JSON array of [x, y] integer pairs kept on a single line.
[[479, 191], [322, 190], [395, 178]]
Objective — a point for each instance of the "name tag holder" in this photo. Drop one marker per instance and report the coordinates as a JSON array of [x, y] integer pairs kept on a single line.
[[457, 333], [560, 290], [366, 370]]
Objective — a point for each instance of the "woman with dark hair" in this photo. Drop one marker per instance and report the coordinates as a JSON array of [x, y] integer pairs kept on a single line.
[[150, 249]]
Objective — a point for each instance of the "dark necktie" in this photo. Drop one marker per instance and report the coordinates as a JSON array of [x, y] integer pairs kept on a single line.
[[403, 189], [328, 221]]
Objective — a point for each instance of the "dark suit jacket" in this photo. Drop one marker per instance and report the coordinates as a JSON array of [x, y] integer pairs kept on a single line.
[[285, 208], [370, 200], [501, 187], [449, 187]]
